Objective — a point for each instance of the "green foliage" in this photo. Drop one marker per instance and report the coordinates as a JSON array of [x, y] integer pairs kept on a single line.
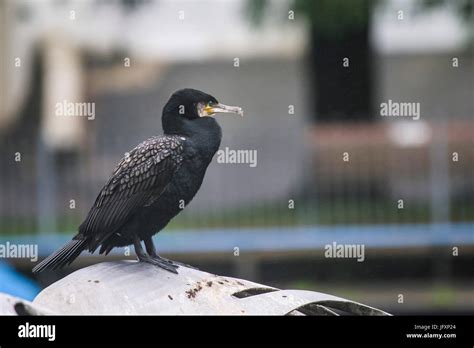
[[335, 17], [327, 17], [331, 18]]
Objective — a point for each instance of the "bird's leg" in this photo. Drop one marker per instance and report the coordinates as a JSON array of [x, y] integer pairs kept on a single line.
[[150, 249], [143, 257]]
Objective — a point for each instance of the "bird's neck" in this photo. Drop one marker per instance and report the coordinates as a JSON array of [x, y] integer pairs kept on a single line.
[[205, 133]]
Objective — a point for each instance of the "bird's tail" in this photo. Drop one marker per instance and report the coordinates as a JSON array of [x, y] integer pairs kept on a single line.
[[62, 257]]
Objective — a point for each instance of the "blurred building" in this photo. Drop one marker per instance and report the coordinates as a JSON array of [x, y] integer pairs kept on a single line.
[[128, 60]]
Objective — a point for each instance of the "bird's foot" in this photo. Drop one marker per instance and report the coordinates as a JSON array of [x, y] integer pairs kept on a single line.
[[160, 262], [175, 263]]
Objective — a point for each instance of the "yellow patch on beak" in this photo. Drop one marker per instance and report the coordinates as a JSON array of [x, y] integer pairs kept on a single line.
[[209, 110]]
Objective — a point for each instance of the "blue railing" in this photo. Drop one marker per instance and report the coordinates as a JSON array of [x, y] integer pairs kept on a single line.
[[286, 238]]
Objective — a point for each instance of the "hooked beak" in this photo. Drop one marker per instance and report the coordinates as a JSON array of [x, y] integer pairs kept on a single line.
[[221, 108]]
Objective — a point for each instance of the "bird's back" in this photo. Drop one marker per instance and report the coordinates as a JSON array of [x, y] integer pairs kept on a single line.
[[140, 177]]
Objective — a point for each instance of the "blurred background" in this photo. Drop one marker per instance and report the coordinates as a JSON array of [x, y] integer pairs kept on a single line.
[[311, 77]]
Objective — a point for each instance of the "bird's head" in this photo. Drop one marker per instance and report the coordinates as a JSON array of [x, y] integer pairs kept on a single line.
[[189, 106]]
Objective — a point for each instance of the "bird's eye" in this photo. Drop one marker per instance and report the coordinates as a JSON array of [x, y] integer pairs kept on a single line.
[[210, 103]]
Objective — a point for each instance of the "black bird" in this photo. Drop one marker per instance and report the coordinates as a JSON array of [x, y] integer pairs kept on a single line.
[[151, 184]]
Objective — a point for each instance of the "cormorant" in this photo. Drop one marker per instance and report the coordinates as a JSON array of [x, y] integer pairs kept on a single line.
[[151, 184]]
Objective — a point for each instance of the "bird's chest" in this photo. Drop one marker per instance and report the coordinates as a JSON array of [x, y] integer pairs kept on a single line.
[[184, 184], [189, 177]]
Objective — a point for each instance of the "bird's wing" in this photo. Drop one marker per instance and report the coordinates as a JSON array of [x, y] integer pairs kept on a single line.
[[141, 174]]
